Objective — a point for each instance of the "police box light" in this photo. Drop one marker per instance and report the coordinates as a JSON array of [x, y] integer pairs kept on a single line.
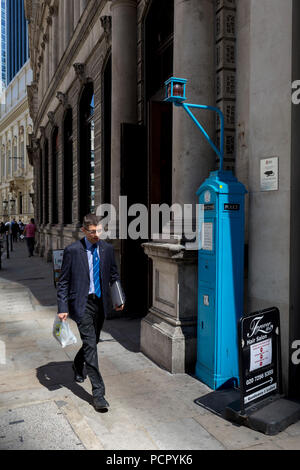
[[175, 90]]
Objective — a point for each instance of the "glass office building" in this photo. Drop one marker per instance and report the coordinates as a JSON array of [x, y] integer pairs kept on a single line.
[[16, 36], [3, 43]]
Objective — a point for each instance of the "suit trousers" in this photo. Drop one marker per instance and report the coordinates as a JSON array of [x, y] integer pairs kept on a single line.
[[30, 245], [89, 329]]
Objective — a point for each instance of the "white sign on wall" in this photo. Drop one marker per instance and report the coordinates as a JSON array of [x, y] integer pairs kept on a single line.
[[269, 174], [207, 236]]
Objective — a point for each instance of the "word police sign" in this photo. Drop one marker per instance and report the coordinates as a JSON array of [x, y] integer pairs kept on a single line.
[[259, 355]]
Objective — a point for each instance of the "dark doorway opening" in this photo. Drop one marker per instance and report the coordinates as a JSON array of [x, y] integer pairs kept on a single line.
[[134, 263], [159, 38], [86, 152], [46, 171], [55, 176], [68, 168], [41, 197], [106, 182]]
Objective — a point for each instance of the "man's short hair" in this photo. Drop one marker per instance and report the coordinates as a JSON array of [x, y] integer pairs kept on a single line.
[[91, 219]]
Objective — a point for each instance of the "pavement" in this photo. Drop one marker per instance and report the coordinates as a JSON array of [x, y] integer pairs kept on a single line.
[[42, 408]]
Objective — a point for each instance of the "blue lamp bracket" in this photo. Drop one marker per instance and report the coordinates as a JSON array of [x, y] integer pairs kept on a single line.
[[175, 93]]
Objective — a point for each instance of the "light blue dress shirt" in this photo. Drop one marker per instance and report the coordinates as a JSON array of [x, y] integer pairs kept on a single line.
[[90, 261]]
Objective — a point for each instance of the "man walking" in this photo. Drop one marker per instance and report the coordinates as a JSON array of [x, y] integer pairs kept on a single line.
[[88, 268]]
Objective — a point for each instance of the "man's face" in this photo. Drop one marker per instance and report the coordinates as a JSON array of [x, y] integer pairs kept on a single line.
[[92, 233]]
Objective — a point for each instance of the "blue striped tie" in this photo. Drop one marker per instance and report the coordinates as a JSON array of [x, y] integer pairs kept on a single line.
[[96, 271]]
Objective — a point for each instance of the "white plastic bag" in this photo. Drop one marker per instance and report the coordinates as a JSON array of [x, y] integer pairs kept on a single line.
[[62, 332]]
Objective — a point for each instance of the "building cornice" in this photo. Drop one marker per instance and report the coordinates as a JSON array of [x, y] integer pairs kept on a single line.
[[14, 114], [91, 16]]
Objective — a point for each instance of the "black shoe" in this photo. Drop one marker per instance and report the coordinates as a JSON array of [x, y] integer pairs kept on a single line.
[[77, 376], [100, 403]]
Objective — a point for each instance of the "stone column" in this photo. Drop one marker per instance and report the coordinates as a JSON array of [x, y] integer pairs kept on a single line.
[[50, 47], [124, 72], [46, 63], [194, 52], [55, 40], [61, 36], [82, 6], [169, 331], [76, 8], [273, 278]]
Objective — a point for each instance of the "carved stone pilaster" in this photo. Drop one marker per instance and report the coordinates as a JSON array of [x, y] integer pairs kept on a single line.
[[226, 76]]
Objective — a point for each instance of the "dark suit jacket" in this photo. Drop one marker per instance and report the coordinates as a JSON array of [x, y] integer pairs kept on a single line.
[[74, 282]]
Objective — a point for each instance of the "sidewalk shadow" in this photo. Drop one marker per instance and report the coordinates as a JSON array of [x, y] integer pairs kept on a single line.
[[56, 375], [125, 330], [32, 273]]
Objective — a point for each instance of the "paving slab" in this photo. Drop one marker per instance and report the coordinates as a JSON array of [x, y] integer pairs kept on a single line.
[[23, 429], [150, 409]]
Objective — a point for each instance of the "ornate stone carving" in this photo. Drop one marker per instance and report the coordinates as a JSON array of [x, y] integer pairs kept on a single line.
[[13, 186], [80, 71], [106, 25], [51, 118], [42, 131], [32, 97], [225, 4], [62, 98], [53, 10], [36, 144]]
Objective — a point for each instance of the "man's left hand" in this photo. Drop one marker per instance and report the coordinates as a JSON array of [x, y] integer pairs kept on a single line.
[[121, 307]]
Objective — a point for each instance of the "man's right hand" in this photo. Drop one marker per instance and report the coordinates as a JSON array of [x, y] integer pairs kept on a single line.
[[62, 316]]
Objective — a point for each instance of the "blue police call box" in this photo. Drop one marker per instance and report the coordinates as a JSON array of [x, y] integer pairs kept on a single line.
[[220, 277]]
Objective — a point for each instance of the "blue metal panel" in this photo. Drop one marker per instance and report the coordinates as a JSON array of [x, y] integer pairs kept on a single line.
[[220, 277]]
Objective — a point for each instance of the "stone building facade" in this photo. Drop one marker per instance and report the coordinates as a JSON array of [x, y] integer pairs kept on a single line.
[[16, 172], [101, 130]]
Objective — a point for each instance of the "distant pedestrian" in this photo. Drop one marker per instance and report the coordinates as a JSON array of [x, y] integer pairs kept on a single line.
[[29, 233], [14, 230], [7, 227], [21, 229], [2, 228]]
